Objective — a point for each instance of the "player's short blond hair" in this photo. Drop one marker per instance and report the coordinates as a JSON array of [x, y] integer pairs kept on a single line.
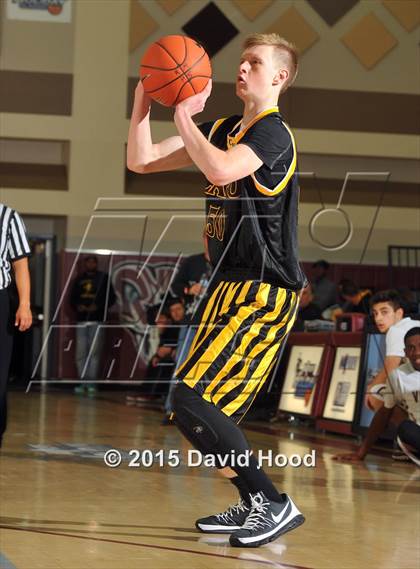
[[286, 53]]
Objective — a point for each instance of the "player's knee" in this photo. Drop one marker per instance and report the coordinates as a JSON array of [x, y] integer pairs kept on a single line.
[[409, 433], [189, 415], [180, 396]]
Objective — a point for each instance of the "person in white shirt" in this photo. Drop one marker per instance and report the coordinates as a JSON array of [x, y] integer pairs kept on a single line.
[[404, 390], [388, 313], [401, 405]]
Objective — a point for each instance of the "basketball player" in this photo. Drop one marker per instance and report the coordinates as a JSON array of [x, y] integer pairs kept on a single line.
[[252, 194]]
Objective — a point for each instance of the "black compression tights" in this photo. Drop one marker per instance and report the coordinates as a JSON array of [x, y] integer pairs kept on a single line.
[[212, 432]]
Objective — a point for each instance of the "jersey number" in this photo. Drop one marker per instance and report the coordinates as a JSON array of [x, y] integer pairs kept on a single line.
[[215, 225]]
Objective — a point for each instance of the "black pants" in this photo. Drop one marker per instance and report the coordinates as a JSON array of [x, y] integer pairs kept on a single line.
[[214, 433], [409, 433], [207, 428], [6, 344]]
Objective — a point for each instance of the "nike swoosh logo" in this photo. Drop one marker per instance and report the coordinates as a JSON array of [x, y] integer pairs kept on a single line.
[[277, 519]]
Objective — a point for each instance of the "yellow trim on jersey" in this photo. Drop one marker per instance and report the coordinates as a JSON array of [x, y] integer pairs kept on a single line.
[[281, 185], [234, 128], [215, 127], [235, 139]]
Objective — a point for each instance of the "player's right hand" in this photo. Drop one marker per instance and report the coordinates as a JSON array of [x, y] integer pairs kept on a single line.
[[196, 103]]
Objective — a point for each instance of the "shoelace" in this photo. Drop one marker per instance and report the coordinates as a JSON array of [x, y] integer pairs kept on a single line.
[[234, 509], [257, 518]]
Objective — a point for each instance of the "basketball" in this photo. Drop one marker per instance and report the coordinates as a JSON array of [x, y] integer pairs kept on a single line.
[[174, 68]]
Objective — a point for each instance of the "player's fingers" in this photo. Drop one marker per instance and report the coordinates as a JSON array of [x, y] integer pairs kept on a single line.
[[25, 323], [208, 88]]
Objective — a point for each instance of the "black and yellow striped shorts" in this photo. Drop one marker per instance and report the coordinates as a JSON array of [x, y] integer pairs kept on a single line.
[[237, 343]]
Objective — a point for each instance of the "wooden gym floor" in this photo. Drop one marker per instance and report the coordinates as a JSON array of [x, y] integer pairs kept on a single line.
[[63, 508]]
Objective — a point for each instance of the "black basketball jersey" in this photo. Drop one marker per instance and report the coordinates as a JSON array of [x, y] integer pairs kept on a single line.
[[251, 223]]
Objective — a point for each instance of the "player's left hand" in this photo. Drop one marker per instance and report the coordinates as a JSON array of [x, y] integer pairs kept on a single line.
[[196, 103], [23, 318]]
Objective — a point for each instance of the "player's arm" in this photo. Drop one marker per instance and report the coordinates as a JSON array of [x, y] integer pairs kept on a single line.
[[377, 426], [390, 363], [219, 166], [181, 279], [394, 352], [143, 156], [23, 318]]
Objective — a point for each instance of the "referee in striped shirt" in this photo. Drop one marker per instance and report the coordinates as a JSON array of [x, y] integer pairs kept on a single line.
[[14, 252]]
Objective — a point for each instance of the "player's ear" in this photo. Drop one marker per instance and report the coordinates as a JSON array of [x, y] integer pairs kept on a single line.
[[280, 77]]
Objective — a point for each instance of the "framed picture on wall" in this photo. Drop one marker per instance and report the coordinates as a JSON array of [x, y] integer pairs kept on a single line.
[[302, 374], [54, 11], [341, 398]]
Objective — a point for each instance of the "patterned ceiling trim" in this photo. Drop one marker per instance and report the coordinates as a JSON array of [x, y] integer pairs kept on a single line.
[[369, 41], [332, 10], [250, 8], [171, 6], [406, 12], [142, 25], [211, 28], [293, 26]]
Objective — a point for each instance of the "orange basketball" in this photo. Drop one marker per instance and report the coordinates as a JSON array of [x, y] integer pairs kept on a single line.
[[174, 68]]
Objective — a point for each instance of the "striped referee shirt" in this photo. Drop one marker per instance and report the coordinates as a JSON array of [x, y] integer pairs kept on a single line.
[[13, 242]]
